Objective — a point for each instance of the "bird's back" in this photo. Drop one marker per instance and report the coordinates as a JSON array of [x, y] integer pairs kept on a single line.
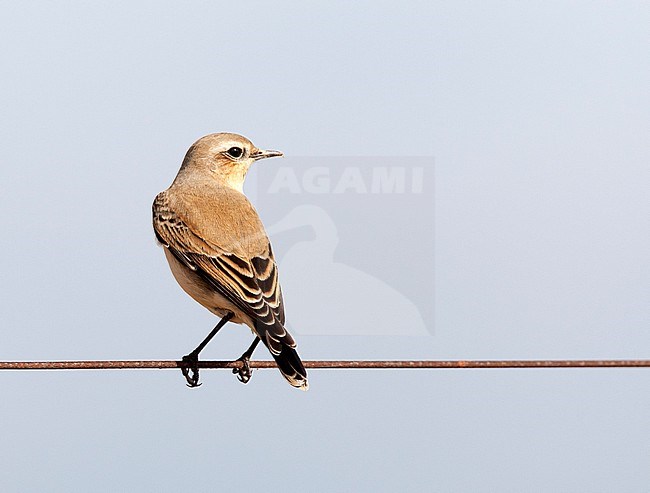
[[220, 216]]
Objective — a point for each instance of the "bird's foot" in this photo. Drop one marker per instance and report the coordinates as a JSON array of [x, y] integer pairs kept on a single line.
[[244, 373], [190, 369]]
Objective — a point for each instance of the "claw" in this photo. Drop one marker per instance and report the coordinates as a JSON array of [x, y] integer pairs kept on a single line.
[[244, 373], [190, 370]]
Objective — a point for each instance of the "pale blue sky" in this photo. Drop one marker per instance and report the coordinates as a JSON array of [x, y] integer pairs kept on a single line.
[[536, 115]]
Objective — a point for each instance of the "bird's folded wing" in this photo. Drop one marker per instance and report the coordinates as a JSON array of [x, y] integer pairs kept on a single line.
[[251, 284]]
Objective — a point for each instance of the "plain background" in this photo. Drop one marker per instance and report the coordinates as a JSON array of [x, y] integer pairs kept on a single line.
[[537, 116]]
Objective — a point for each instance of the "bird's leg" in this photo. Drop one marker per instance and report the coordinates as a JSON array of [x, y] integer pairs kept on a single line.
[[190, 366], [244, 373]]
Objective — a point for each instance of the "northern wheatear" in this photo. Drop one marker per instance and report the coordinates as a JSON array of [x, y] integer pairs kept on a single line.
[[219, 253]]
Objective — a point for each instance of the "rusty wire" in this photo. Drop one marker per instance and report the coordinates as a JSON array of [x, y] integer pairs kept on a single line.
[[349, 364]]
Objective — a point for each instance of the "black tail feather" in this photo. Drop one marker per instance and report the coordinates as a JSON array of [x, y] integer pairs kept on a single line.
[[283, 349], [291, 367]]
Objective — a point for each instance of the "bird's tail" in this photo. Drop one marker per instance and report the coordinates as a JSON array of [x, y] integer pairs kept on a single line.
[[291, 367], [283, 349]]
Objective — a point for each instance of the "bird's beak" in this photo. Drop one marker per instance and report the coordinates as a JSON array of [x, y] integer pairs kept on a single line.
[[259, 154]]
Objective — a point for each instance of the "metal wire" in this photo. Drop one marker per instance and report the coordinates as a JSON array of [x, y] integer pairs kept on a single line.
[[349, 364]]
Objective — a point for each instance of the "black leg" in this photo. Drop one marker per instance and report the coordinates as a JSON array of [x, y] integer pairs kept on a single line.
[[190, 368], [244, 373]]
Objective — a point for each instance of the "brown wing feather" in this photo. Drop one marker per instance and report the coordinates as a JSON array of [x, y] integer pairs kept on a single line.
[[252, 284]]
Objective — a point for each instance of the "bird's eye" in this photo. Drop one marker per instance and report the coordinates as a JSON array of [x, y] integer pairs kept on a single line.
[[235, 152]]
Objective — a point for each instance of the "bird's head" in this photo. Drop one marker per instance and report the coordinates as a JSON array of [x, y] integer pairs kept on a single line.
[[224, 157]]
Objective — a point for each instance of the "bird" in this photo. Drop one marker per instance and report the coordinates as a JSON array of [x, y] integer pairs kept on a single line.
[[220, 254]]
